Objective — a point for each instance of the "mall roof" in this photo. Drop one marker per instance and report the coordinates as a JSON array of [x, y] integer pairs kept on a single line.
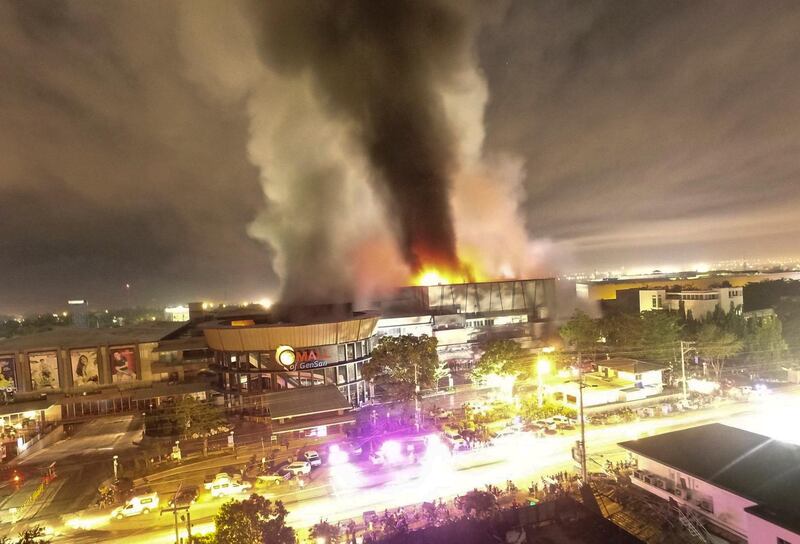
[[75, 337], [756, 467], [305, 401], [634, 366]]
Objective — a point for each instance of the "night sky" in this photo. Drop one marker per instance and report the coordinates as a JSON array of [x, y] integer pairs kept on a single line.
[[650, 132]]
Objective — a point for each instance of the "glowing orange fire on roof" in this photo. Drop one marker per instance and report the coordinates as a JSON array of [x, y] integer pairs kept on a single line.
[[436, 274]]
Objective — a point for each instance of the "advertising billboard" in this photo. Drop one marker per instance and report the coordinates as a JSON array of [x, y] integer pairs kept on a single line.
[[44, 370], [8, 373], [123, 365], [84, 367]]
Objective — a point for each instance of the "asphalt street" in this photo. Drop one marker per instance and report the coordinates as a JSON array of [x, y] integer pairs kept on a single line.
[[340, 493]]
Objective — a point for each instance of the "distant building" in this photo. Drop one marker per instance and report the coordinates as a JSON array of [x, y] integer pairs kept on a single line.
[[176, 313], [696, 303], [79, 311], [607, 289], [743, 484], [616, 380]]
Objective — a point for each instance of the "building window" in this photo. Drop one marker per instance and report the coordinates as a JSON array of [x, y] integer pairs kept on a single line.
[[341, 374], [359, 350], [351, 352], [340, 350]]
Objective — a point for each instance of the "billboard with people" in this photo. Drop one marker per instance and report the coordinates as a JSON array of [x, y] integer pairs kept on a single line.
[[123, 365], [8, 374], [44, 370], [84, 367]]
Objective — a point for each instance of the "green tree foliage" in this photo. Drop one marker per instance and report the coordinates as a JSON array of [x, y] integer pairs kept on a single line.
[[32, 535], [476, 503], [441, 372], [581, 332], [193, 417], [620, 329], [400, 362], [717, 345], [325, 532], [531, 411], [764, 341], [659, 332], [501, 357], [253, 521], [649, 335]]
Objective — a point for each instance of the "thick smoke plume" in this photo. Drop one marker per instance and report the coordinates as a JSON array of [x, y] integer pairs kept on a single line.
[[379, 67], [366, 121]]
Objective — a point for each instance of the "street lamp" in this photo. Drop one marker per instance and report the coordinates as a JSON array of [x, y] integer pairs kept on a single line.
[[542, 369]]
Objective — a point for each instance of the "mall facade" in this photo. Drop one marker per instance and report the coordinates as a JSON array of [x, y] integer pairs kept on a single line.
[[329, 346]]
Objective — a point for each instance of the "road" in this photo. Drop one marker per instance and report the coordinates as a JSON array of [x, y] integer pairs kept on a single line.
[[339, 493]]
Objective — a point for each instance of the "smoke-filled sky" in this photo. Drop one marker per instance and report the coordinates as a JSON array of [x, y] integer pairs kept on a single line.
[[169, 145]]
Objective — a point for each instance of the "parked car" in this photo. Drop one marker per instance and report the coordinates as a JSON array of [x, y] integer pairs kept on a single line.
[[505, 433], [140, 504], [228, 488], [313, 458], [458, 442], [297, 468], [563, 420], [185, 496], [268, 480]]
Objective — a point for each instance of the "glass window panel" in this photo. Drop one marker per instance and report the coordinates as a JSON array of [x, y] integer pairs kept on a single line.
[[340, 350], [351, 352], [358, 370], [341, 374]]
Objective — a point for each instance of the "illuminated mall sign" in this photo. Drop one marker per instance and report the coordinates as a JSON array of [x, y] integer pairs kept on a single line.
[[306, 359]]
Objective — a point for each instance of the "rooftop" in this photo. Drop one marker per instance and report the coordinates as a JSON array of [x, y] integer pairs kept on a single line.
[[634, 366], [75, 337], [756, 467]]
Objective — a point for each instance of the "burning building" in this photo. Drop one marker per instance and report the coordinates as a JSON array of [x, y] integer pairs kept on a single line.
[[462, 316]]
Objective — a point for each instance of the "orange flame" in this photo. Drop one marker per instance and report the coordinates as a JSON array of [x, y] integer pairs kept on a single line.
[[436, 274]]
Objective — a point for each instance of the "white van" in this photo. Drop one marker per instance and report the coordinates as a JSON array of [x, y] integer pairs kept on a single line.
[[141, 504], [228, 488]]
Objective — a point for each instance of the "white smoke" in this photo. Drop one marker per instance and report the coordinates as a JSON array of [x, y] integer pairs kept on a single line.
[[321, 212], [325, 225]]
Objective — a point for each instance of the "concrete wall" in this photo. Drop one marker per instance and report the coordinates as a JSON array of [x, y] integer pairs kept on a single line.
[[761, 531], [728, 508]]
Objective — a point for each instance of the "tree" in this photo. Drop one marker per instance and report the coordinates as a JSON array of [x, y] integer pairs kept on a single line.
[[659, 332], [441, 372], [253, 521], [32, 535], [501, 357], [717, 346], [479, 504], [193, 417], [581, 332], [764, 339], [531, 411], [325, 532], [401, 363]]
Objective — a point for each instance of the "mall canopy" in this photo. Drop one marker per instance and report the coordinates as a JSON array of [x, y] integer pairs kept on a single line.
[[304, 401]]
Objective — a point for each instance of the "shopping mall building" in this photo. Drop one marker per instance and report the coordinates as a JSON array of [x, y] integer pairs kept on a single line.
[[233, 356]]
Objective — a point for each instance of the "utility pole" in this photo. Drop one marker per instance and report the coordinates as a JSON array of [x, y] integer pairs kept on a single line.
[[584, 469], [686, 347], [416, 399], [175, 509], [116, 468]]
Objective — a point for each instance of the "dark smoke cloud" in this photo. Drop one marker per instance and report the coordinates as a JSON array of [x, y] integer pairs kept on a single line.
[[379, 67]]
